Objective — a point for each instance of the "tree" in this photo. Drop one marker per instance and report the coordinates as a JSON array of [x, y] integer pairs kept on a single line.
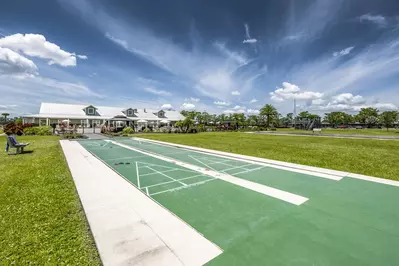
[[5, 116], [338, 118], [366, 113], [270, 112], [388, 118]]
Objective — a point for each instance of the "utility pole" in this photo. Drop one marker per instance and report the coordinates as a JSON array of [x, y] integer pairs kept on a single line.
[[294, 113]]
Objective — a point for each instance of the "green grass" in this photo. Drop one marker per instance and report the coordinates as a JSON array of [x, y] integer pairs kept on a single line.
[[371, 131], [368, 157], [41, 218]]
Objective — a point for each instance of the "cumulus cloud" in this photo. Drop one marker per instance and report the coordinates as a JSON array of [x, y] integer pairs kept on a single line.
[[187, 106], [14, 63], [235, 93], [237, 107], [221, 103], [253, 100], [36, 45], [167, 106], [239, 111], [157, 92], [343, 52], [348, 98], [253, 112], [377, 19], [191, 99], [292, 91], [331, 107]]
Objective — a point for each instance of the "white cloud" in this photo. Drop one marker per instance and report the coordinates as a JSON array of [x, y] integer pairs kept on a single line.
[[235, 93], [167, 106], [239, 111], [187, 106], [348, 98], [253, 112], [36, 45], [120, 42], [191, 99], [292, 91], [331, 107], [221, 103], [237, 107], [14, 63], [84, 57], [158, 92], [343, 52], [250, 41], [239, 58], [8, 107], [319, 101], [377, 19], [253, 100], [248, 35]]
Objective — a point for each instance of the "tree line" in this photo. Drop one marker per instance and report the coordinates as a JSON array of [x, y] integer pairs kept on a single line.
[[270, 117]]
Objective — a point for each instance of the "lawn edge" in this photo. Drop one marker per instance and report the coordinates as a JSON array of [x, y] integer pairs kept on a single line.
[[317, 171]]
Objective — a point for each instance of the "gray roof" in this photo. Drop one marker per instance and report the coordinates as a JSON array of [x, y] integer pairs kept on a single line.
[[76, 111]]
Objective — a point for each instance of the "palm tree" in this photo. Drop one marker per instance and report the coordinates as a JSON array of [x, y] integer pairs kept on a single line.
[[5, 116], [270, 112]]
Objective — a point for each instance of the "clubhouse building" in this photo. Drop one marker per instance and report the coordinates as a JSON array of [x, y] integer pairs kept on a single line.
[[89, 115]]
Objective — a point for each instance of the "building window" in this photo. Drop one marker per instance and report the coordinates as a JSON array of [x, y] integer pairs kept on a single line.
[[130, 112], [90, 111]]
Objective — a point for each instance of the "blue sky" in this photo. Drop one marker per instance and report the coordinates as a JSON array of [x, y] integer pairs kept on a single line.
[[219, 56]]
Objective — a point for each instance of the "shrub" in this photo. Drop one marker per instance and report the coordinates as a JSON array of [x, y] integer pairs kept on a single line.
[[41, 131], [44, 131], [73, 136], [12, 128], [146, 130], [127, 130]]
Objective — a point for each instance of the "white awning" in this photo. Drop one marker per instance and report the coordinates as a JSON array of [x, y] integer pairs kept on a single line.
[[164, 121], [142, 121]]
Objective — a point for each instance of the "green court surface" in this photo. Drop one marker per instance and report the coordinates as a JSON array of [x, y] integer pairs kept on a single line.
[[345, 222]]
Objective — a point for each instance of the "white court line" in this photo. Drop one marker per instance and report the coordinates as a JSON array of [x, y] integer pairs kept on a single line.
[[250, 170], [308, 170], [202, 163], [269, 191], [166, 176], [171, 170], [146, 190], [163, 183], [241, 166], [178, 188], [138, 176]]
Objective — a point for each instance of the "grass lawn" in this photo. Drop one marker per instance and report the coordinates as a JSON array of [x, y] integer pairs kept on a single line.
[[41, 218], [369, 157], [371, 131]]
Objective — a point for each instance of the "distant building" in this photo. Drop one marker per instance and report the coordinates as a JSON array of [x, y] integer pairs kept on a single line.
[[88, 115]]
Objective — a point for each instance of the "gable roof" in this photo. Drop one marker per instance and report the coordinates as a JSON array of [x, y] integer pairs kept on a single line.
[[59, 110]]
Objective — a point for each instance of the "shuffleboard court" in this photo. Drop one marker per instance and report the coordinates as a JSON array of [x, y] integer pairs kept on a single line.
[[342, 221]]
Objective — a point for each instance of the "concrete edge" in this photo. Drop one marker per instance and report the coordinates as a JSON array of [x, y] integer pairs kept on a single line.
[[316, 171], [128, 227]]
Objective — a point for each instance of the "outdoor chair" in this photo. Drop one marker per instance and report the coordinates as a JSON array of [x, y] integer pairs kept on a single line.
[[13, 143]]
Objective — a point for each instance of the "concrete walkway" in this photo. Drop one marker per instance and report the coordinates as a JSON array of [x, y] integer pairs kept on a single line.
[[340, 136], [129, 228]]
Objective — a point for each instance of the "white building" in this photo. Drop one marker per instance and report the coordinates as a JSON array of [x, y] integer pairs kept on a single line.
[[87, 116]]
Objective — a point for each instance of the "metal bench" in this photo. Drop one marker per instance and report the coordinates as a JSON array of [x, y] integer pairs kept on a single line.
[[317, 130], [13, 143]]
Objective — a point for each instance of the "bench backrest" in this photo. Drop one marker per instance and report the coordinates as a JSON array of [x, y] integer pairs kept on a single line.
[[11, 141]]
